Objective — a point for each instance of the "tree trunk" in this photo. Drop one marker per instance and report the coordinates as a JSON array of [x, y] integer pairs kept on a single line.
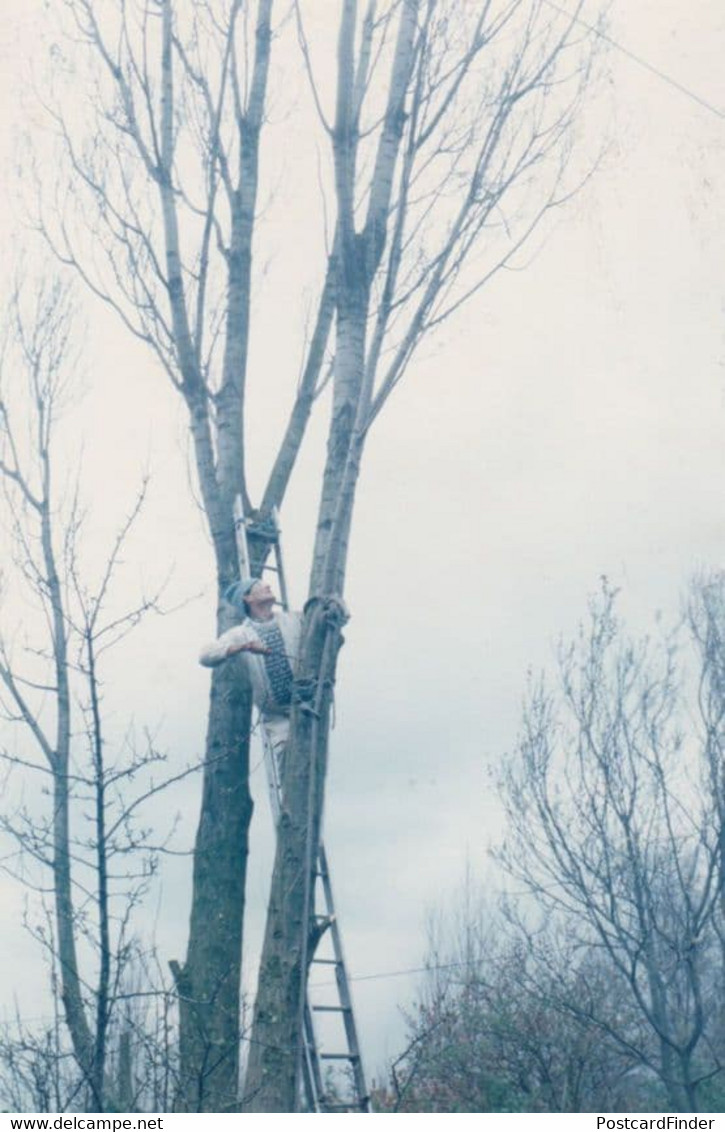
[[124, 1084], [273, 1073], [209, 982], [73, 1005], [71, 992]]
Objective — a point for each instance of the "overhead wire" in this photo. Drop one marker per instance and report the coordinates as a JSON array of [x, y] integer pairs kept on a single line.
[[639, 59], [395, 974]]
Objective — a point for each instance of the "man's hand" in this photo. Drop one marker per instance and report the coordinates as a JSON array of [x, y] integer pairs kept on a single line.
[[249, 646]]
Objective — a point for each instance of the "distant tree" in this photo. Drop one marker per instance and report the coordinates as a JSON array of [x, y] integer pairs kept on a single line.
[[90, 839], [706, 620], [492, 1030], [615, 829]]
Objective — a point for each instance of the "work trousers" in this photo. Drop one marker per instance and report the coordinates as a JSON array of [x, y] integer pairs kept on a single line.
[[276, 730]]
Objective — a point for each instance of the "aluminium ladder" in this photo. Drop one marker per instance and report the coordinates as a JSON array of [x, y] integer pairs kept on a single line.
[[334, 1018]]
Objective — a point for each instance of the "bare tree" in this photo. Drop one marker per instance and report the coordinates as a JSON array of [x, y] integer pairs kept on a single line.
[[615, 829], [100, 857], [706, 618], [491, 1029], [448, 142]]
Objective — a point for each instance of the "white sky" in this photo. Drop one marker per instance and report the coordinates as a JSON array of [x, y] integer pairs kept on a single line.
[[569, 424]]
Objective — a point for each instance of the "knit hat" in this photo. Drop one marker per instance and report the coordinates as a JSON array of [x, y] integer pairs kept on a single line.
[[236, 593]]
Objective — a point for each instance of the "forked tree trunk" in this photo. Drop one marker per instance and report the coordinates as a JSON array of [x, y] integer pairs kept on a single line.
[[273, 1074]]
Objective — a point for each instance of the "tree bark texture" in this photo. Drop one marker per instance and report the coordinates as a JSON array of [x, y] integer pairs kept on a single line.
[[272, 1080], [71, 992], [208, 983]]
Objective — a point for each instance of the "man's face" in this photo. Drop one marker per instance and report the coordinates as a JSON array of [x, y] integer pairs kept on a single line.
[[260, 598]]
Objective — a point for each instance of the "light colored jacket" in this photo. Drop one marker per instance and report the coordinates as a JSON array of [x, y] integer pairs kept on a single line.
[[290, 626]]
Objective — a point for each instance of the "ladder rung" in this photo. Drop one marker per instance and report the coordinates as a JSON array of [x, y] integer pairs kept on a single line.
[[327, 962], [340, 1056], [332, 1009], [262, 528]]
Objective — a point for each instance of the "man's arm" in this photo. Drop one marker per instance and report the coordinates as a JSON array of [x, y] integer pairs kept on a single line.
[[238, 639]]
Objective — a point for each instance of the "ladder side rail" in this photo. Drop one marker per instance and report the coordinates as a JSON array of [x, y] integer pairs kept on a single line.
[[241, 524], [240, 531], [279, 560], [311, 1061], [308, 1091], [311, 1068], [343, 988]]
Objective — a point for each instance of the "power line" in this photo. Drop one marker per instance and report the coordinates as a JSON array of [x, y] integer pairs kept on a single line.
[[405, 971], [639, 60]]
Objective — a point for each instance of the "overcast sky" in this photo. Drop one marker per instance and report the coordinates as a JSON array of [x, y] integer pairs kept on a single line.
[[568, 424]]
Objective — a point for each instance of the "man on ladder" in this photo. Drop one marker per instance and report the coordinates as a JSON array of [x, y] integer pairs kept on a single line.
[[269, 639]]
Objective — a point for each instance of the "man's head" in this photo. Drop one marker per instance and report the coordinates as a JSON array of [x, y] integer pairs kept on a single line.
[[252, 597]]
